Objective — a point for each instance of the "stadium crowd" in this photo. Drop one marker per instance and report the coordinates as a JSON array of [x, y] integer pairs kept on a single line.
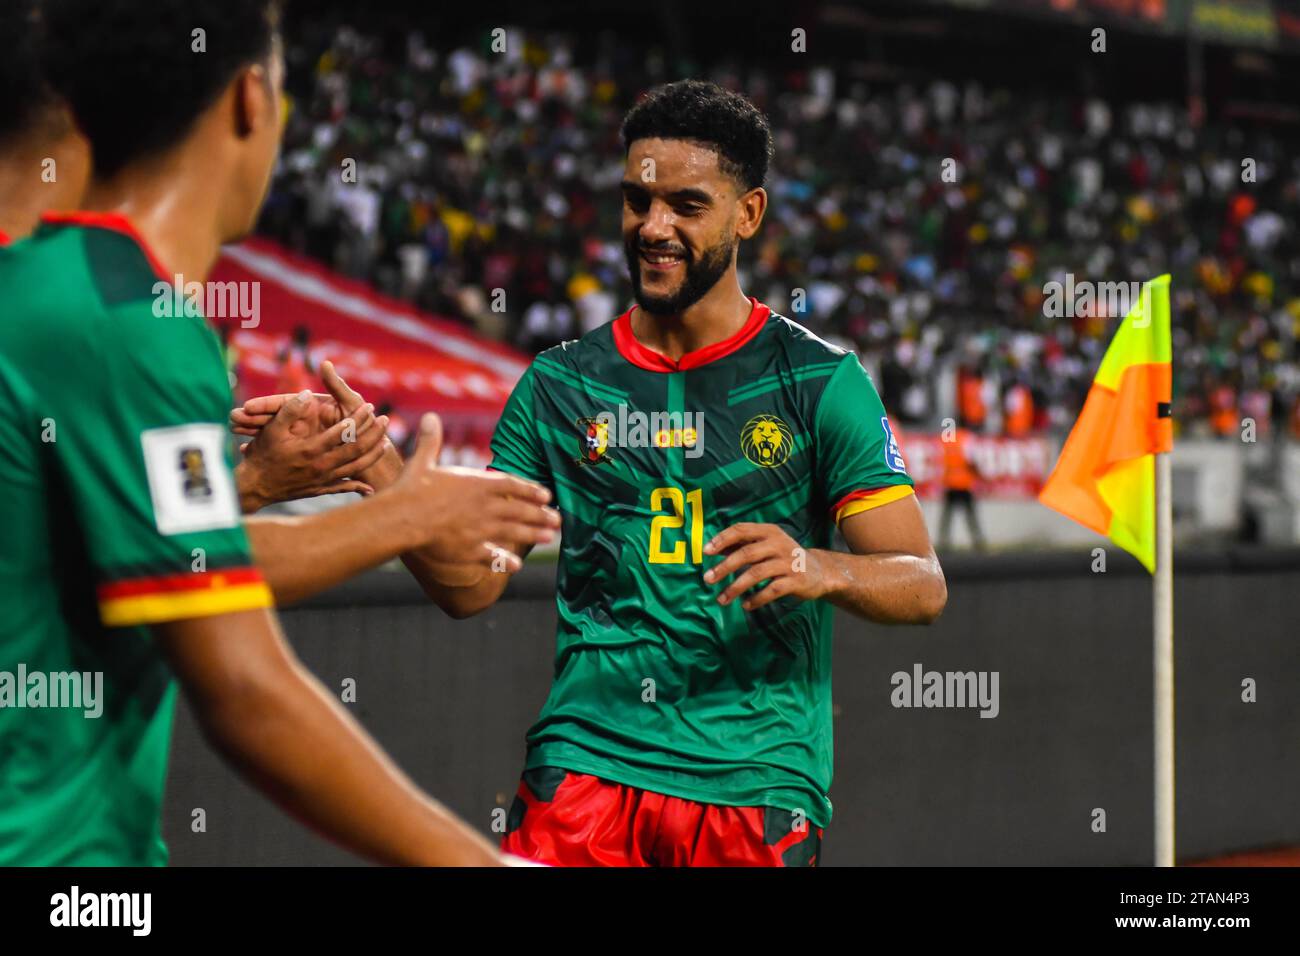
[[918, 224]]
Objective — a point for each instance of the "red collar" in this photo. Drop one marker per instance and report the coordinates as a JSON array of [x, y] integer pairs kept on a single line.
[[640, 356], [114, 221], [4, 239]]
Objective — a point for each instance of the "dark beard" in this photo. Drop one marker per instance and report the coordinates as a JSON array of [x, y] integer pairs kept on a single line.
[[701, 276]]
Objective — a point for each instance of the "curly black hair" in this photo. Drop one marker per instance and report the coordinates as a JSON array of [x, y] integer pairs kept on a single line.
[[27, 99], [137, 75], [709, 115]]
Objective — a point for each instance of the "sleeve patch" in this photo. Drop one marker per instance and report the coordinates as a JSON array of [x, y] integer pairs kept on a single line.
[[189, 483], [893, 457]]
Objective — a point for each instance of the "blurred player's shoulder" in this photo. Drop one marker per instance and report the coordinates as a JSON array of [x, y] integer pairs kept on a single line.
[[76, 271], [89, 308]]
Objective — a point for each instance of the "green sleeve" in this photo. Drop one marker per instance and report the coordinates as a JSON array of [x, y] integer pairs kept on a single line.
[[516, 444], [856, 450], [143, 451], [18, 431]]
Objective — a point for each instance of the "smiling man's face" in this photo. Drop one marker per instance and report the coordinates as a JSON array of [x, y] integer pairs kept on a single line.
[[680, 212]]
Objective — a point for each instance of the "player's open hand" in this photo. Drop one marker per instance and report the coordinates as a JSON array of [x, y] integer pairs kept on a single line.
[[462, 513], [256, 413], [764, 552], [326, 411], [296, 455]]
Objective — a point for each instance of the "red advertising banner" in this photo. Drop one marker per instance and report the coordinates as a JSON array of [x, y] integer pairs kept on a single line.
[[388, 350], [1010, 468]]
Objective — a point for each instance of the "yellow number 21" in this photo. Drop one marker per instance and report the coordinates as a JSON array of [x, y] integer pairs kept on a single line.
[[673, 498]]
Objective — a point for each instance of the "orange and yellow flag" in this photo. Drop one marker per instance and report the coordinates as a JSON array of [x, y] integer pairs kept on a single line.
[[1105, 478]]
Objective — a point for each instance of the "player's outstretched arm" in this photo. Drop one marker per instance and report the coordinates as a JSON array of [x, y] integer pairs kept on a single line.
[[462, 589], [279, 728], [438, 513], [461, 586], [893, 575]]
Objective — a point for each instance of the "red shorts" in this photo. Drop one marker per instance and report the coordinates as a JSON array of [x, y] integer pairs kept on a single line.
[[573, 819]]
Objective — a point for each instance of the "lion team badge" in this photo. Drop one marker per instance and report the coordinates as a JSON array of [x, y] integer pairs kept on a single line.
[[766, 441], [594, 441]]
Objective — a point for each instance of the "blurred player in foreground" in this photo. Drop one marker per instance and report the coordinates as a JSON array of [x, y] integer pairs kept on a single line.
[[703, 450], [314, 445], [44, 160], [133, 553]]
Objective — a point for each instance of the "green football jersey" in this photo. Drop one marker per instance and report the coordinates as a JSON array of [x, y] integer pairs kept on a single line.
[[656, 685], [119, 511]]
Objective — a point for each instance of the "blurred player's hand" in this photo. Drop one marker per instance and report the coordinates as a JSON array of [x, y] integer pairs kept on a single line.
[[462, 512], [764, 552], [304, 449], [329, 409], [326, 411]]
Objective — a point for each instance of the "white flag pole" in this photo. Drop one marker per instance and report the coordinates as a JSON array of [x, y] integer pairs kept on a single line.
[[1163, 584]]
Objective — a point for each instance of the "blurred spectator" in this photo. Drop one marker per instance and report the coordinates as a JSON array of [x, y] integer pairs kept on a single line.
[[296, 369], [399, 431], [1223, 410], [970, 397], [1018, 410], [959, 476]]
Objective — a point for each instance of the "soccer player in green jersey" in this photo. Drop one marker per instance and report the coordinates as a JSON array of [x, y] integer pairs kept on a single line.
[[130, 563], [702, 450]]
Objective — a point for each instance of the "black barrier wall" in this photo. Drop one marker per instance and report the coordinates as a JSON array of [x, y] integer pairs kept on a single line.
[[1061, 775]]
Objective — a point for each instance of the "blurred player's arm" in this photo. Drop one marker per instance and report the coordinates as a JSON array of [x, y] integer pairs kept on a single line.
[[422, 512], [275, 723], [168, 550], [459, 579]]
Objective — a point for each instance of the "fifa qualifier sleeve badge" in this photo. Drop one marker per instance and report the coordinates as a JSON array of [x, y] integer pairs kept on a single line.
[[191, 488], [893, 457]]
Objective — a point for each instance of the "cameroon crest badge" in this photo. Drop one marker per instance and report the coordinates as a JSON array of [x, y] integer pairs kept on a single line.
[[593, 441]]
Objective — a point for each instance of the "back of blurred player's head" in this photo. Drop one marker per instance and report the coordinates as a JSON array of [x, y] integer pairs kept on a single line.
[[143, 78], [43, 159], [28, 105]]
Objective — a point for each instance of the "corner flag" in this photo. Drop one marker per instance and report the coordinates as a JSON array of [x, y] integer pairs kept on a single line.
[[1105, 477], [1114, 476]]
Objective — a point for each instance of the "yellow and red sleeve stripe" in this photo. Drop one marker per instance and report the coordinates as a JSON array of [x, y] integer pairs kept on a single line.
[[856, 502], [177, 596]]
